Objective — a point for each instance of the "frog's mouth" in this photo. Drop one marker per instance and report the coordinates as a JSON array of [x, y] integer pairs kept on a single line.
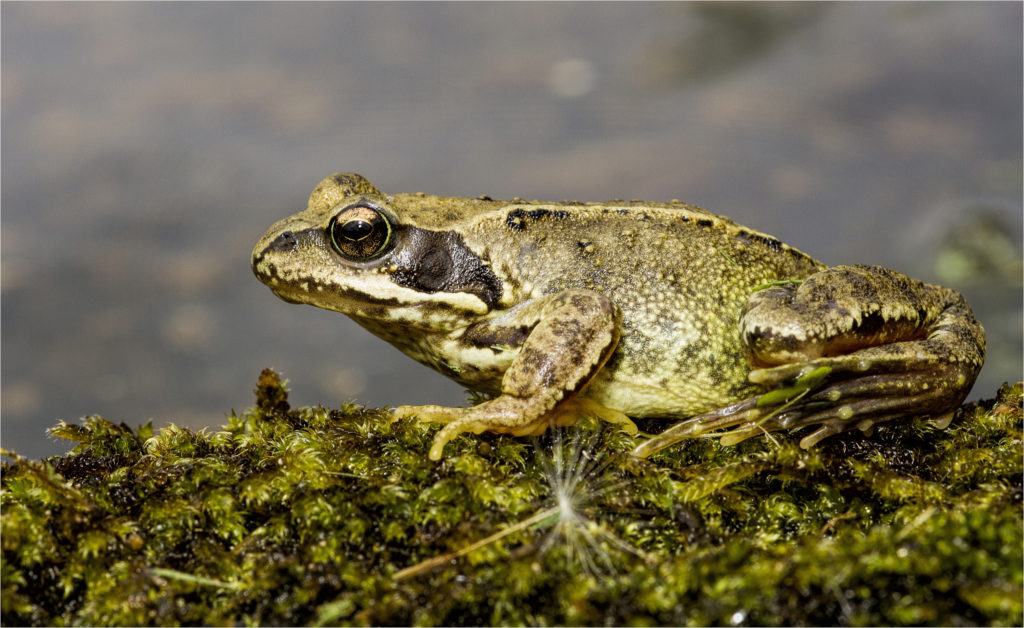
[[284, 297], [307, 290]]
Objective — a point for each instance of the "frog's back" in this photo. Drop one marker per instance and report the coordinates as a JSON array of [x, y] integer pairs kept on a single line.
[[680, 275]]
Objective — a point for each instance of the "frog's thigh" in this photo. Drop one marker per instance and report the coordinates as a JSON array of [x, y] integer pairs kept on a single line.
[[892, 345], [574, 332]]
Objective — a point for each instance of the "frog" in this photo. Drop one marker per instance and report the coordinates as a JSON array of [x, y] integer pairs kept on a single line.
[[623, 310]]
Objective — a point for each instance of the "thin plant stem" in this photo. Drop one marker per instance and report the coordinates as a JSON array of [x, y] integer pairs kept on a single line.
[[429, 564]]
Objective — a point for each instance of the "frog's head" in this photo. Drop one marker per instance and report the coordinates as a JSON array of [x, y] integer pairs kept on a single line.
[[357, 251]]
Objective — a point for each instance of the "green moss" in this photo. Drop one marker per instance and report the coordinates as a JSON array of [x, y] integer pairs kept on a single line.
[[315, 516]]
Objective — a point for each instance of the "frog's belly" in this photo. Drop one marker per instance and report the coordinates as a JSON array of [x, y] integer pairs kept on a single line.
[[676, 380], [675, 398]]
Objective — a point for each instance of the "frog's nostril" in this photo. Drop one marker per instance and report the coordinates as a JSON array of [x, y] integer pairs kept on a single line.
[[284, 242]]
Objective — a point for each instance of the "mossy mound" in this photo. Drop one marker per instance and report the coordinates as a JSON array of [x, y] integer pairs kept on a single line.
[[315, 516]]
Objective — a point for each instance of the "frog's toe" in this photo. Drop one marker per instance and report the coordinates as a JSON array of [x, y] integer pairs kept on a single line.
[[453, 429], [830, 417], [836, 400], [457, 420], [744, 412]]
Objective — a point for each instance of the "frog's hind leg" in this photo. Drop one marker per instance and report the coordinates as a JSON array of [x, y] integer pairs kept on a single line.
[[910, 349]]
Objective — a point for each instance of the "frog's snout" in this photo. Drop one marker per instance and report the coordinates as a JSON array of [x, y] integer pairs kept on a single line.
[[272, 242], [281, 238]]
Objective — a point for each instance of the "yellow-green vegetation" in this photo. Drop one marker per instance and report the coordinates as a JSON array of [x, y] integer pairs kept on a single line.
[[316, 516]]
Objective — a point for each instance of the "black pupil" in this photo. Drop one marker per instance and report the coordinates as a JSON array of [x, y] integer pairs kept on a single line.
[[356, 230]]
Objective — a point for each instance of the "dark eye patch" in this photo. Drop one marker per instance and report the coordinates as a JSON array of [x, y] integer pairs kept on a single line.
[[439, 261]]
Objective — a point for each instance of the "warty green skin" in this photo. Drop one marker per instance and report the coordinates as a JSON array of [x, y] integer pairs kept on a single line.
[[649, 309]]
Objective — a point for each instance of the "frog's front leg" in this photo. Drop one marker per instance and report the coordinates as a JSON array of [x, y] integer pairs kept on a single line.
[[571, 334], [849, 347]]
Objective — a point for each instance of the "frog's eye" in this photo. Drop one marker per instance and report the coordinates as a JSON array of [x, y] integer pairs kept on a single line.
[[359, 232]]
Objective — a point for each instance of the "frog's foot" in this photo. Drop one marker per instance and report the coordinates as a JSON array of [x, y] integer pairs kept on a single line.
[[507, 415], [918, 357], [498, 415], [817, 396]]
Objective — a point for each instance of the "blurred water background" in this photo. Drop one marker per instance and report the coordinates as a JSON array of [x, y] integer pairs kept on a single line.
[[145, 148]]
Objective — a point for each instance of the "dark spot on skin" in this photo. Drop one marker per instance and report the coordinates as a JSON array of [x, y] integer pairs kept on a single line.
[[434, 270], [576, 354], [285, 242], [374, 312], [622, 212], [483, 334], [874, 329], [771, 243], [583, 243], [840, 311], [870, 324], [517, 218], [580, 302], [534, 364], [438, 261], [761, 341], [704, 222], [803, 257], [719, 370], [484, 197], [567, 329], [532, 359], [690, 354], [356, 295]]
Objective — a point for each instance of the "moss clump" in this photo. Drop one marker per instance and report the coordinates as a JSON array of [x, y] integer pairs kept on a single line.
[[314, 516]]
